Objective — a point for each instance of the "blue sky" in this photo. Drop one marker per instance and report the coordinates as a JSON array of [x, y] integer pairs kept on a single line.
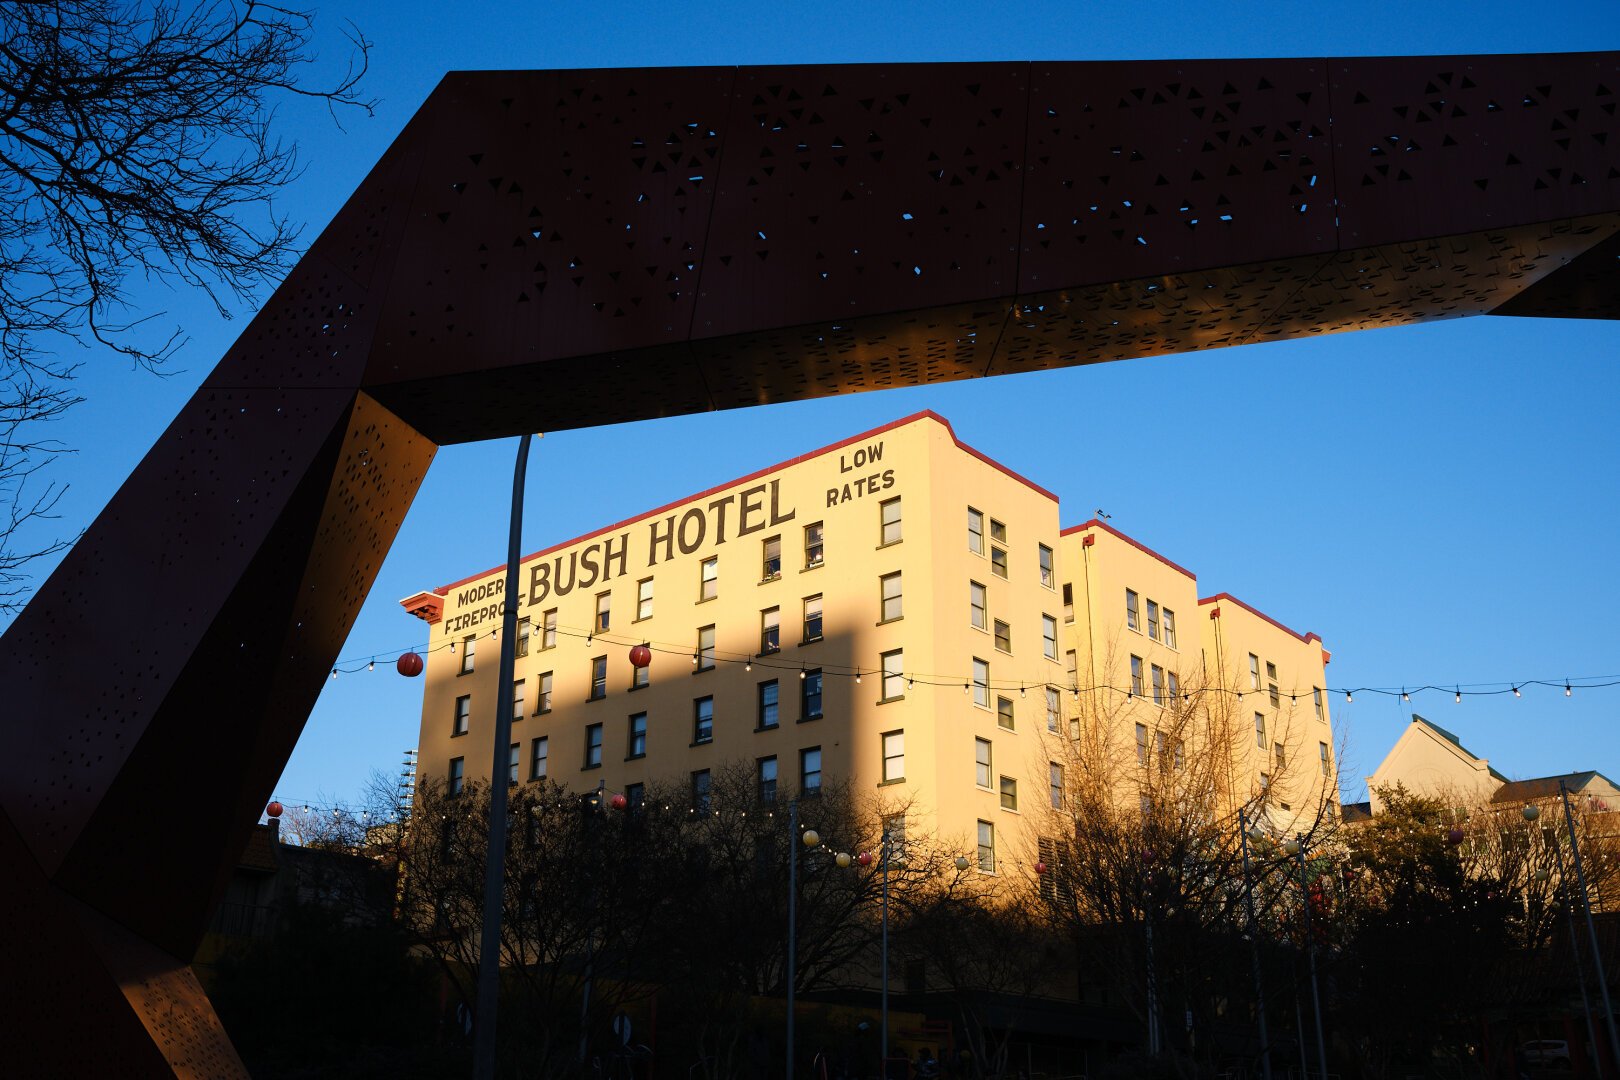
[[1438, 502]]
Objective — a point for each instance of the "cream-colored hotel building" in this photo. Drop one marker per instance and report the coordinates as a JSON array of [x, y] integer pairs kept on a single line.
[[896, 610]]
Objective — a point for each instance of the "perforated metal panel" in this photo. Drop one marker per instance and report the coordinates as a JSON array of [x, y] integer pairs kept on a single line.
[[547, 250]]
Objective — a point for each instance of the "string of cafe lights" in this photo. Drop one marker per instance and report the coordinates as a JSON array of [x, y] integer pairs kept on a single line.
[[773, 661]]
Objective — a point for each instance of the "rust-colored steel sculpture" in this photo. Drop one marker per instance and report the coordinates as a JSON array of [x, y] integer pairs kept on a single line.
[[546, 250]]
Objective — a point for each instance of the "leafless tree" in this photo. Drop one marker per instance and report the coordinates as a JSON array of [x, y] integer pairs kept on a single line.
[[136, 143]]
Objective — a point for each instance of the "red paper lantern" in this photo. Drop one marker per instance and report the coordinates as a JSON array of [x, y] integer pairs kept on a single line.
[[409, 665], [1454, 837], [1040, 868], [640, 656], [618, 802], [864, 858], [273, 810]]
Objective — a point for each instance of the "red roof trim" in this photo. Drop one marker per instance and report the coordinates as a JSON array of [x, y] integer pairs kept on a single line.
[[1110, 530], [1307, 638], [926, 414]]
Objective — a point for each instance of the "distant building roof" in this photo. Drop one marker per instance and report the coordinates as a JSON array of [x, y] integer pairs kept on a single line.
[[1545, 787], [1352, 812]]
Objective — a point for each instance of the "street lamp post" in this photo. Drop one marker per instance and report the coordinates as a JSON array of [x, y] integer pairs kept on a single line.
[[489, 945], [1254, 950], [1591, 928], [883, 1038], [811, 839], [1296, 847]]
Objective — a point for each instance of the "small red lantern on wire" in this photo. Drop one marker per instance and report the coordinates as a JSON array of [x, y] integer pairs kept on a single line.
[[409, 665], [640, 656], [864, 858], [273, 810], [1454, 837], [618, 802], [1040, 868]]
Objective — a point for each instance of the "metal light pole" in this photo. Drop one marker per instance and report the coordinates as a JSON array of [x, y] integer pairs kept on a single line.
[[793, 922], [1254, 951], [1310, 954], [489, 946], [1591, 929], [883, 1043]]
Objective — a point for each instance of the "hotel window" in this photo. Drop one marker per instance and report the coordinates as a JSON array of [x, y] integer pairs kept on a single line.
[[976, 606], [1271, 684], [1158, 685], [769, 705], [1132, 615], [1004, 712], [889, 521], [771, 568], [539, 750], [1153, 619], [1071, 664], [1003, 633], [1181, 754], [640, 676], [981, 683], [998, 531], [635, 795], [638, 736], [518, 687], [770, 630], [1136, 676], [702, 720], [604, 604], [889, 587], [987, 847], [705, 648], [812, 618], [1175, 686], [1054, 781], [1068, 602], [1046, 565], [1009, 793], [700, 790], [810, 696], [458, 775], [1054, 709], [709, 578], [1316, 697], [767, 779], [525, 628], [1282, 754], [1254, 672], [593, 745], [975, 531], [894, 756], [1327, 762], [644, 598], [981, 763], [543, 702], [813, 545], [1049, 637], [1260, 730], [548, 629], [894, 684], [998, 561], [1141, 744], [1169, 628], [469, 646], [598, 678], [514, 756], [1265, 785], [810, 770], [463, 715]]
